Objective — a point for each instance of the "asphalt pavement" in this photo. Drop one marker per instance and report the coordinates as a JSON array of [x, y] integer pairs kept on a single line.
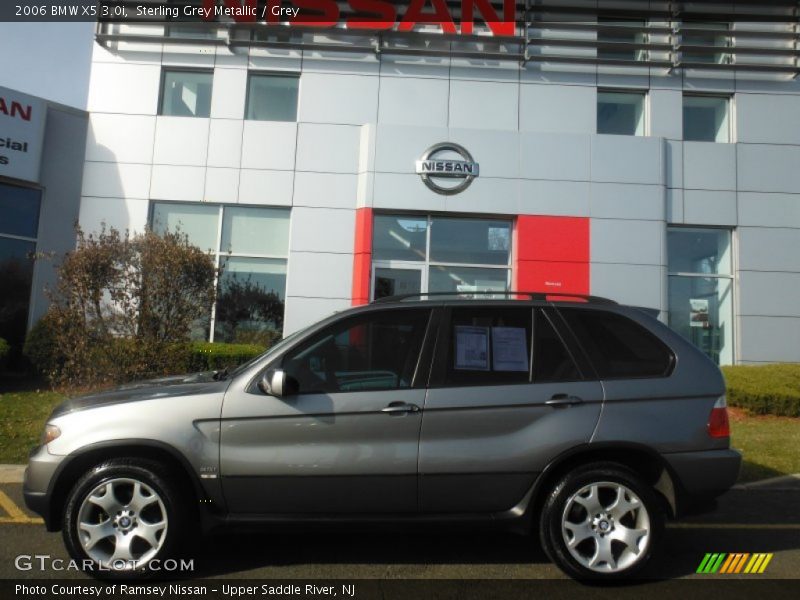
[[758, 519]]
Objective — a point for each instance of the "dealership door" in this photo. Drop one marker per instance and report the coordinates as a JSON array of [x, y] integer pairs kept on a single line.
[[393, 278]]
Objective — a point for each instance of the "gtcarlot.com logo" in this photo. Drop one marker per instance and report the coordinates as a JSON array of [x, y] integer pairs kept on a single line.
[[737, 562], [44, 562]]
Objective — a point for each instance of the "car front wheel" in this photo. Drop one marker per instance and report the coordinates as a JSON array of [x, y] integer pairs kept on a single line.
[[121, 516], [601, 521]]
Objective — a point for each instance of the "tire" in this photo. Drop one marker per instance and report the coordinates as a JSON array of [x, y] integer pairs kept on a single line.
[[601, 522], [118, 536]]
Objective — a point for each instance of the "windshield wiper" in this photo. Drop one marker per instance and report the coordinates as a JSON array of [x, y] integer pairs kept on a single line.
[[221, 375]]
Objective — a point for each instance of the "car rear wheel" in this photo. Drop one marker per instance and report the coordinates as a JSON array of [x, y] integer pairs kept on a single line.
[[123, 515], [601, 521]]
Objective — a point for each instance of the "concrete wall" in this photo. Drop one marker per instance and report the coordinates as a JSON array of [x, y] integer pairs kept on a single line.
[[362, 121]]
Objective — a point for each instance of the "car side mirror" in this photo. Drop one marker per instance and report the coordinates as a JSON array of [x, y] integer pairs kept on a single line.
[[278, 383]]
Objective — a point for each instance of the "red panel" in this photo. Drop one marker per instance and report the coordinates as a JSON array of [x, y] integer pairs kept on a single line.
[[552, 238], [362, 256], [363, 243], [551, 254], [551, 276]]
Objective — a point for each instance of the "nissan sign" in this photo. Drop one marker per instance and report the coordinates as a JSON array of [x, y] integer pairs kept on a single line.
[[447, 168], [21, 134]]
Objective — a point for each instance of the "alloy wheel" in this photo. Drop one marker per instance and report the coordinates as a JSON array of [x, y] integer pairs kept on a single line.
[[122, 524], [606, 527]]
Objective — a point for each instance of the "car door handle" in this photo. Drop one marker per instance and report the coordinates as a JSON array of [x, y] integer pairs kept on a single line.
[[395, 408], [559, 400]]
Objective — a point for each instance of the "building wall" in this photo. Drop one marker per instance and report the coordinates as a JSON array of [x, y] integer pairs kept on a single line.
[[362, 121], [61, 172]]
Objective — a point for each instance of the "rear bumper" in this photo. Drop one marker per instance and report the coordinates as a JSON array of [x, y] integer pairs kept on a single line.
[[705, 474]]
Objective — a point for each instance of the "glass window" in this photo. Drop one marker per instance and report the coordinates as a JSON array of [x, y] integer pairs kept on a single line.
[[272, 97], [255, 231], [618, 31], [551, 360], [420, 253], [618, 347], [701, 289], [200, 222], [393, 282], [186, 93], [699, 251], [620, 113], [19, 218], [371, 352], [471, 241], [466, 279], [399, 237], [489, 346], [705, 119], [16, 277], [251, 300], [250, 245], [708, 35]]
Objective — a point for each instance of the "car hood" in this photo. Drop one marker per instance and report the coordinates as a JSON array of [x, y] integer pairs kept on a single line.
[[162, 389]]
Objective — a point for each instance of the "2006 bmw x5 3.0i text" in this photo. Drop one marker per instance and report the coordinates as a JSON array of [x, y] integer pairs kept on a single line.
[[585, 421]]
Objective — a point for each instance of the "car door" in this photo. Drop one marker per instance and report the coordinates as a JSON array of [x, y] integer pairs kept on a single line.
[[347, 441], [506, 397]]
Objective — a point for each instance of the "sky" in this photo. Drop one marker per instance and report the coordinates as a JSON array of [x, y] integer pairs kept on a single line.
[[50, 60]]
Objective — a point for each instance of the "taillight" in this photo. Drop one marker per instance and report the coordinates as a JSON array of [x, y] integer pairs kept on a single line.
[[718, 425]]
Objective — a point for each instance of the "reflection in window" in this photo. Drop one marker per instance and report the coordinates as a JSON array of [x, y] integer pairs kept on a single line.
[[701, 289], [705, 119], [19, 225], [186, 93], [419, 253], [621, 32], [251, 246], [272, 97], [621, 113], [707, 35]]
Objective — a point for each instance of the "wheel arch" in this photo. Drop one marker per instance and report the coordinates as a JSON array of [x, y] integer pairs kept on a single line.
[[642, 460], [76, 464]]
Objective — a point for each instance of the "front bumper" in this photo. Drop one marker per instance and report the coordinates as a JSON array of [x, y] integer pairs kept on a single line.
[[705, 474], [38, 484]]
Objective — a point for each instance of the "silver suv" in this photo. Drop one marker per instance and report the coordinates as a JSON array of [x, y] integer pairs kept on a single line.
[[574, 417]]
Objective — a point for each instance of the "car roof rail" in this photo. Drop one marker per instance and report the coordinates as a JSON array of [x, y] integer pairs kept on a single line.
[[538, 296]]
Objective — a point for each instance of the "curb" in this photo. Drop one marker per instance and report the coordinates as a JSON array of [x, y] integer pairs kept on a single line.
[[12, 473], [782, 483]]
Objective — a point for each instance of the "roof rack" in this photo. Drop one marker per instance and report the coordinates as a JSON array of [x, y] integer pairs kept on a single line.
[[538, 296]]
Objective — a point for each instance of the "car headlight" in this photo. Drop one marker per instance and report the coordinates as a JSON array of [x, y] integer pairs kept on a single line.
[[51, 432]]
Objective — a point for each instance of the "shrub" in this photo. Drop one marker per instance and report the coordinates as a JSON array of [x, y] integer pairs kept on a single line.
[[205, 356], [765, 389], [40, 348], [124, 306]]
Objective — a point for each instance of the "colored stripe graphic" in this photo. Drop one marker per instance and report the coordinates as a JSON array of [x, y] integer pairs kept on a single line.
[[733, 563], [711, 563]]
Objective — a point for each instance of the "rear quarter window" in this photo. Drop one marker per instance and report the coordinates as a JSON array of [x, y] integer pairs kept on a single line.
[[619, 347]]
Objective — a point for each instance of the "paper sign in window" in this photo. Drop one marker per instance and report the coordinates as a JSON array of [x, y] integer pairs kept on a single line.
[[509, 349], [472, 348]]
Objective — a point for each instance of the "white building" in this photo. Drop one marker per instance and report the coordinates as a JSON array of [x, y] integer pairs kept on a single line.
[[651, 160]]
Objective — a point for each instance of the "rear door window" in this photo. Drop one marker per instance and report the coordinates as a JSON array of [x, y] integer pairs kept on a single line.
[[489, 346], [618, 347]]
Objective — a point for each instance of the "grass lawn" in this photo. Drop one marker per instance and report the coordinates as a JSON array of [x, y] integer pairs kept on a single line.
[[22, 417], [769, 443]]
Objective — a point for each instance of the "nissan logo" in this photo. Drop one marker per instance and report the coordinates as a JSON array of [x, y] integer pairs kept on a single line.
[[437, 165]]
